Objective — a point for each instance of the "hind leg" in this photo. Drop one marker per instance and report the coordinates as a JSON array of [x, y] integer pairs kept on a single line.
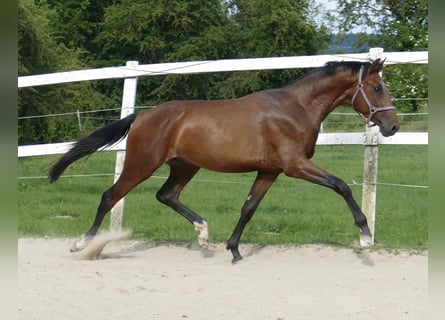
[[102, 210], [181, 173], [130, 177], [109, 199]]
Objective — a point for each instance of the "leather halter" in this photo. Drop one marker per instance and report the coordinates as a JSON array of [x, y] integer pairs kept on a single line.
[[372, 109]]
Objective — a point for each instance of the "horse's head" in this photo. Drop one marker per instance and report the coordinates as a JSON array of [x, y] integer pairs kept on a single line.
[[371, 99]]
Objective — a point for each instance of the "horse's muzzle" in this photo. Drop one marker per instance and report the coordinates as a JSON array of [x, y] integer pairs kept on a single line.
[[390, 130]]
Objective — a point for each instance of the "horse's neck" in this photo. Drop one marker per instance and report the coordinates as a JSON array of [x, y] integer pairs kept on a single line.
[[320, 95]]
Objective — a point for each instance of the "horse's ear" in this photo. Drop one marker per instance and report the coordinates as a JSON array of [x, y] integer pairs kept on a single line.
[[376, 66]]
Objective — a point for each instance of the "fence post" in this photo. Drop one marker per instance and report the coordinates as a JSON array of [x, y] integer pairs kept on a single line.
[[369, 191], [128, 107]]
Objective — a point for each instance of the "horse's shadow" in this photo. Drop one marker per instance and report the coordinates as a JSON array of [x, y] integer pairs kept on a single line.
[[130, 252], [365, 258], [141, 246]]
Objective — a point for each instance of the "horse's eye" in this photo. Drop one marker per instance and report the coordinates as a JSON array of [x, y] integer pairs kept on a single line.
[[378, 88]]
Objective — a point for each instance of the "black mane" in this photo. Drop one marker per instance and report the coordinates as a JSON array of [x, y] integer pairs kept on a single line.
[[331, 67]]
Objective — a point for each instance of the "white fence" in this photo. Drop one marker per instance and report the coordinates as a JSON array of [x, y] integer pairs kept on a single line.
[[132, 70], [402, 138]]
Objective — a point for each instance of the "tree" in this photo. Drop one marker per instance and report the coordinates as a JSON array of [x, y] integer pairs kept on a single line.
[[66, 35], [76, 24], [400, 25], [275, 28], [162, 31], [396, 26], [264, 28], [155, 31], [39, 52]]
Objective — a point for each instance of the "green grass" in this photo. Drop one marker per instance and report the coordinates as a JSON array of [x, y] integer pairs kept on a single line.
[[344, 119], [293, 211]]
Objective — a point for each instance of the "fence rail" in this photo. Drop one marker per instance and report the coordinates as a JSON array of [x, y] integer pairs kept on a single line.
[[136, 70], [132, 70], [403, 138]]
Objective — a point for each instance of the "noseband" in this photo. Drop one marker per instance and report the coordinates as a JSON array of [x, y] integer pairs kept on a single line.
[[372, 109]]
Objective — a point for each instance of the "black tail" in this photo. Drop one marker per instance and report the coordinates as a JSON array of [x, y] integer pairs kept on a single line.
[[106, 136]]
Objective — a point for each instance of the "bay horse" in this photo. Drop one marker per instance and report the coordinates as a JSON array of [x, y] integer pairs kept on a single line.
[[271, 132]]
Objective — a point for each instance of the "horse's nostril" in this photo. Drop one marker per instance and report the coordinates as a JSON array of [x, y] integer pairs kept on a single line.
[[395, 128]]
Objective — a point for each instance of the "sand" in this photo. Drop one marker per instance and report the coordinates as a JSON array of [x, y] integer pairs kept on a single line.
[[146, 280]]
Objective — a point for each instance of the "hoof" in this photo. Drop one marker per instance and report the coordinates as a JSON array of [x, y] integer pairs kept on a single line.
[[80, 244], [236, 255], [236, 259], [203, 233]]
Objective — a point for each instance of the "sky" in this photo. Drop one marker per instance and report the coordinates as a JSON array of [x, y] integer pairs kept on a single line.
[[331, 6], [326, 5]]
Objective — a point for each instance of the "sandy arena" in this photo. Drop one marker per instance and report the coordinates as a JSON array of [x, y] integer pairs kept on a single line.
[[143, 280]]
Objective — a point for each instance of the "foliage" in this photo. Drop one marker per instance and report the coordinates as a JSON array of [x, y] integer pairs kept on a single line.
[[274, 28], [40, 52], [159, 31], [59, 35], [56, 35], [162, 31], [395, 26], [76, 23], [269, 28], [192, 30]]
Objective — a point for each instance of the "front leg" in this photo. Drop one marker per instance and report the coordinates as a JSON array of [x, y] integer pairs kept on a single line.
[[308, 171]]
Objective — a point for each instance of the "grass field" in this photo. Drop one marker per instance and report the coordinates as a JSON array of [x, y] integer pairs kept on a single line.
[[293, 211]]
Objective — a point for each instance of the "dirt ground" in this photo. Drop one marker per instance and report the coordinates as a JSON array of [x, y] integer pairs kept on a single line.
[[143, 280]]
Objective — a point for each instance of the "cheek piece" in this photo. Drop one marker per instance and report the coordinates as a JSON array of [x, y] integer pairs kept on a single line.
[[372, 109]]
